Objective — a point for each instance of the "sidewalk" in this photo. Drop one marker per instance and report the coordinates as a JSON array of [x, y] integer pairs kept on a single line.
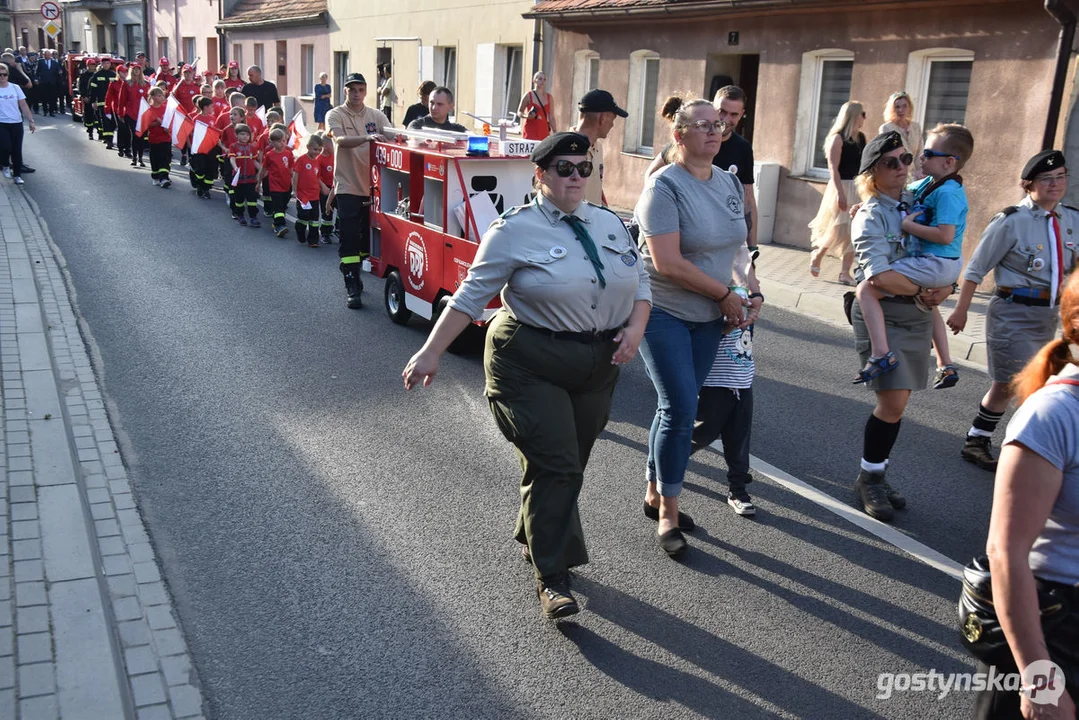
[[785, 281], [87, 627]]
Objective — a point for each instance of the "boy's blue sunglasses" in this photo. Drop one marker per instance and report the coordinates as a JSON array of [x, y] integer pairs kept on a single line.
[[927, 153]]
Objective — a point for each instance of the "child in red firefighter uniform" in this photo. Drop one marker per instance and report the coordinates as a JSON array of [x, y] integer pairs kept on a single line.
[[160, 140], [204, 165], [277, 164], [245, 167], [308, 188]]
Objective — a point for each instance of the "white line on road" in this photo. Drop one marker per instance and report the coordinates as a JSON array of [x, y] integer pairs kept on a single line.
[[887, 533]]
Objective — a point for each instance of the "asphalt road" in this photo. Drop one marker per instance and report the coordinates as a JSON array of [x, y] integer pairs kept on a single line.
[[341, 549]]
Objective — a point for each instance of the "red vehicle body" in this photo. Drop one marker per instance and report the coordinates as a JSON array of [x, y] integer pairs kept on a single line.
[[75, 62], [429, 208]]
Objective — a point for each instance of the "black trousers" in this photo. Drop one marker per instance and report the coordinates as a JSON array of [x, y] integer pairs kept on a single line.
[[138, 144], [11, 146], [89, 116], [307, 222], [725, 413], [108, 125], [278, 206], [354, 213], [123, 134], [326, 211], [245, 195], [203, 169], [160, 160], [48, 95]]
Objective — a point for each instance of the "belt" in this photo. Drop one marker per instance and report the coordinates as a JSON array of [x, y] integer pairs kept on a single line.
[[581, 337], [1024, 296], [902, 299]]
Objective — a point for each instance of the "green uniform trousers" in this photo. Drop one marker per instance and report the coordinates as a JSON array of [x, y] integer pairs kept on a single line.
[[551, 398]]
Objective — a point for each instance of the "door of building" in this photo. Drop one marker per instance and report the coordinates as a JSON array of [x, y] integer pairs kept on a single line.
[[282, 67], [740, 70]]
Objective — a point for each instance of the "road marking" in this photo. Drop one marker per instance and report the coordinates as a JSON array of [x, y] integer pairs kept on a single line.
[[887, 533]]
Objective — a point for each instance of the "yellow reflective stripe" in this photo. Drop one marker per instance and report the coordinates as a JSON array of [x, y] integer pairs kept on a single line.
[[350, 260]]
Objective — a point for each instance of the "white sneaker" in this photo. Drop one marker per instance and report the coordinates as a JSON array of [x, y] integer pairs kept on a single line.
[[19, 181], [157, 183], [7, 173], [742, 504], [166, 183]]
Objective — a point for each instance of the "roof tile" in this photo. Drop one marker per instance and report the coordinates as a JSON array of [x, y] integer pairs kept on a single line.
[[255, 11]]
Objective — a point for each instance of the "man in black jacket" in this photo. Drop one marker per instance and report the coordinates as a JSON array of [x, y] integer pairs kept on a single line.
[[262, 90], [48, 80]]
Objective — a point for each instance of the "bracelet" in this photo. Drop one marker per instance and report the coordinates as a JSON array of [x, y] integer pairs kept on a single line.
[[729, 291], [756, 295]]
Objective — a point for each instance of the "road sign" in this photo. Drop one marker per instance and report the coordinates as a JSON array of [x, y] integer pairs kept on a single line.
[[52, 29], [50, 10]]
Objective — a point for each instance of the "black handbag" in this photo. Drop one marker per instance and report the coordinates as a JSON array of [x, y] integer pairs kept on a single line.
[[979, 627]]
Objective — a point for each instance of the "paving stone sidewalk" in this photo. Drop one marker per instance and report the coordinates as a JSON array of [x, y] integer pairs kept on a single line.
[[785, 281], [87, 626]]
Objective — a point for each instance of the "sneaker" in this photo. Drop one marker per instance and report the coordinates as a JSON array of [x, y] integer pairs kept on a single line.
[[19, 181], [134, 163], [556, 601], [327, 240], [255, 222], [873, 493], [976, 450], [7, 173], [141, 163], [157, 183], [243, 221], [280, 231], [742, 503], [238, 218], [166, 183]]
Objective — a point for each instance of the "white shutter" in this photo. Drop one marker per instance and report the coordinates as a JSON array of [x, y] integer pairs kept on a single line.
[[487, 84]]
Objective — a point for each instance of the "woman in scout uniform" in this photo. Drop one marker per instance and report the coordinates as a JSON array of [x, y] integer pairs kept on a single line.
[[878, 241], [1031, 249], [575, 300]]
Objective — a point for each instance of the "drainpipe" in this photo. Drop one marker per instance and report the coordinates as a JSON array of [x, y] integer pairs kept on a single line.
[[1063, 15], [537, 43], [147, 20]]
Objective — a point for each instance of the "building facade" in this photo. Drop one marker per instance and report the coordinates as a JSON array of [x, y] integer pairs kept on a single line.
[[111, 26], [989, 65], [185, 31], [485, 53]]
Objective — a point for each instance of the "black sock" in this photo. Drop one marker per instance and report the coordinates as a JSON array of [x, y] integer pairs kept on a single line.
[[987, 419], [879, 439]]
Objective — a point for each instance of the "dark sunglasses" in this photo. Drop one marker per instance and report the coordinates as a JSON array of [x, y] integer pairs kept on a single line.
[[927, 153], [892, 162], [565, 168]]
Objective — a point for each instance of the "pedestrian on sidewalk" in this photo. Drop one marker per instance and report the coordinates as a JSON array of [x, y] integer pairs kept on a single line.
[[876, 229], [1030, 248], [1033, 545], [692, 225], [830, 229], [554, 353], [13, 108], [899, 116]]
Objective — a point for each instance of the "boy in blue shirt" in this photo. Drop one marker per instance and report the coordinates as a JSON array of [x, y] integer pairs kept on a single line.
[[934, 247]]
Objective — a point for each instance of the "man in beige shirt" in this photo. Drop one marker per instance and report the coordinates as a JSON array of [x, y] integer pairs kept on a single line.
[[353, 126], [596, 113]]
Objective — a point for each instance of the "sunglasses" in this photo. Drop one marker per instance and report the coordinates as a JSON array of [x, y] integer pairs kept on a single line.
[[892, 162], [565, 168], [927, 153]]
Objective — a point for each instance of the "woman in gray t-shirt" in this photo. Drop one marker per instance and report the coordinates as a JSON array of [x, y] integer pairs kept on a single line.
[[692, 221], [1034, 530]]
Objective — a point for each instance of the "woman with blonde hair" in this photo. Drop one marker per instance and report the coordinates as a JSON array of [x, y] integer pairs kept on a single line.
[[1033, 544], [899, 116], [830, 230]]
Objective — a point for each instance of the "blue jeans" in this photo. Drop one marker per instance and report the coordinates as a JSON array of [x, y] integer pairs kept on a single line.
[[677, 356]]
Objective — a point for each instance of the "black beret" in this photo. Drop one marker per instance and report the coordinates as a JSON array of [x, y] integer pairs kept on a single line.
[[878, 147], [563, 143], [1044, 161]]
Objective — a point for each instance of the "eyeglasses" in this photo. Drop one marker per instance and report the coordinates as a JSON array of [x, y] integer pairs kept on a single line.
[[1052, 179], [892, 162], [3, 74], [565, 168], [707, 126], [927, 153]]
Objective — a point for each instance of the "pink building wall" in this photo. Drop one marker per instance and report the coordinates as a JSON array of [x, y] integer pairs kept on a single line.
[[294, 40], [179, 19]]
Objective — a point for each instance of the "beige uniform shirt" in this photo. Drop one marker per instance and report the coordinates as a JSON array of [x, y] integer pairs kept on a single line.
[[593, 189], [352, 166], [533, 256]]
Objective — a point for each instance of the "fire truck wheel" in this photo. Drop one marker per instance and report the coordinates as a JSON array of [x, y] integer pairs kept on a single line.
[[395, 299]]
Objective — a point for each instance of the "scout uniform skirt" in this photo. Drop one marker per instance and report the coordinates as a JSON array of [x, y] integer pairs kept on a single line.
[[910, 337], [1014, 333]]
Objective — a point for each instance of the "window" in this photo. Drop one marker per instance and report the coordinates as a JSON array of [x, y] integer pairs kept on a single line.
[[211, 54], [189, 50], [132, 39], [260, 57], [307, 69], [340, 65], [101, 43], [585, 73], [446, 68], [938, 80], [511, 79], [825, 86], [238, 56], [643, 90], [593, 73], [163, 47]]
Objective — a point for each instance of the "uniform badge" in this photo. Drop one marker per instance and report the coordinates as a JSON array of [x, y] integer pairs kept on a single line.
[[370, 127], [1039, 248], [558, 251], [733, 169], [1037, 264], [629, 259], [611, 237]]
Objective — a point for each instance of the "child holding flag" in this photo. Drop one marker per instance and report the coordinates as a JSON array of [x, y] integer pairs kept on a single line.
[[204, 149], [135, 103], [244, 158], [228, 138], [277, 165], [308, 188], [152, 122], [273, 119]]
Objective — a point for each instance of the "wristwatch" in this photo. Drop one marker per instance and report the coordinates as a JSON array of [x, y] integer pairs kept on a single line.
[[756, 295]]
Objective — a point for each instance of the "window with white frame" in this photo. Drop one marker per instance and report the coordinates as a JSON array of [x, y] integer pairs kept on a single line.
[[162, 47], [260, 57], [938, 80], [238, 56], [511, 78], [585, 73], [445, 67], [640, 131], [593, 73], [189, 50], [824, 87], [307, 69]]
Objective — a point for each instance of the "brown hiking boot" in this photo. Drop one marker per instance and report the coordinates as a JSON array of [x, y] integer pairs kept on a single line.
[[873, 493], [976, 451], [555, 598]]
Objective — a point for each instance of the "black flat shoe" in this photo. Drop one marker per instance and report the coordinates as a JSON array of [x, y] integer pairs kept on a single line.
[[685, 522], [673, 543]]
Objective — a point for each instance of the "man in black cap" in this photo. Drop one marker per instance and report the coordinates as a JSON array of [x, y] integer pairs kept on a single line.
[[440, 105], [352, 126], [597, 111]]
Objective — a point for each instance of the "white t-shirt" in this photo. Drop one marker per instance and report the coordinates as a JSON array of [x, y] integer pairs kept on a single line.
[[9, 103]]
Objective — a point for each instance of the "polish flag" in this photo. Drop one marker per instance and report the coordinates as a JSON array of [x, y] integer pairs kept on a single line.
[[260, 113], [171, 106], [236, 177], [145, 118], [182, 127], [297, 131], [204, 138]]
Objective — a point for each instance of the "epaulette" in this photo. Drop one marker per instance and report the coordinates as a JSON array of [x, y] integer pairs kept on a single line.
[[1070, 207], [1010, 210]]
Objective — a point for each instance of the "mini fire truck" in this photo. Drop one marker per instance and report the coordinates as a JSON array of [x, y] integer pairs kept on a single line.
[[75, 62]]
